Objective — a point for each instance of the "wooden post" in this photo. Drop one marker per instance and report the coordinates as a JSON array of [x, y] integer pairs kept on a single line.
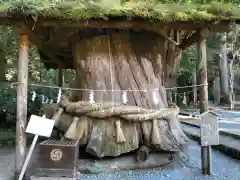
[[223, 65], [61, 84], [217, 92], [60, 77], [169, 96], [202, 73], [194, 83], [203, 96], [22, 89], [230, 82]]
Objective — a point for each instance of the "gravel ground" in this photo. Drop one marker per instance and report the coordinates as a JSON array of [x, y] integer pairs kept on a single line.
[[224, 168], [6, 163]]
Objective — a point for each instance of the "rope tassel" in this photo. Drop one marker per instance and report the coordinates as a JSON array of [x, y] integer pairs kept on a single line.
[[59, 95], [124, 97], [72, 130], [156, 139], [34, 95], [184, 99], [91, 97], [120, 138]]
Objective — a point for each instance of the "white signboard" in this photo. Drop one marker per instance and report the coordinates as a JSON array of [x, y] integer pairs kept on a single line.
[[209, 129], [40, 126]]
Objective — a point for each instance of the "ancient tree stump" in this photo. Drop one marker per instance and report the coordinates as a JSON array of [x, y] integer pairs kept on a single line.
[[109, 62]]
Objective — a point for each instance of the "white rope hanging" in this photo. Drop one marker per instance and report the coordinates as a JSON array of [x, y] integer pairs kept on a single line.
[[124, 97], [155, 99], [44, 99], [51, 101], [130, 90], [91, 97], [34, 95], [59, 95]]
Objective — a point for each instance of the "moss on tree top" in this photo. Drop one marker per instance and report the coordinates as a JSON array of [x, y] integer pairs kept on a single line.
[[172, 10]]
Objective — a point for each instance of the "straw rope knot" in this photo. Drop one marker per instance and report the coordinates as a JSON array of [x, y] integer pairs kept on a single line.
[[123, 112]]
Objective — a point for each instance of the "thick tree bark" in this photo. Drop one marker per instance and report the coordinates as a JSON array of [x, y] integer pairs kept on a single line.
[[120, 61]]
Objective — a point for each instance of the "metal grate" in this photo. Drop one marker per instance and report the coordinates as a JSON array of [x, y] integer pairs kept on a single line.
[[59, 143]]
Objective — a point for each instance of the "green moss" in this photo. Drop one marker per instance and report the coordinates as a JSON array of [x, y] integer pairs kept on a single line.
[[185, 10]]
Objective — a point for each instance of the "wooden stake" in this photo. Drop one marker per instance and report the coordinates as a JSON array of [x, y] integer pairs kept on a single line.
[[230, 82], [60, 77], [22, 88], [203, 90], [223, 64], [202, 74], [28, 157], [217, 92]]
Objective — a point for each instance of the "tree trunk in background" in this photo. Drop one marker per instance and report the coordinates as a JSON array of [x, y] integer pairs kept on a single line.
[[172, 82], [230, 82], [202, 74], [217, 91], [3, 66], [223, 65], [194, 83]]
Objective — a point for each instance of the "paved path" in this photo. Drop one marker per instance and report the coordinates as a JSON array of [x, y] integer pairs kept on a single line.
[[224, 168], [228, 120], [223, 125], [6, 164]]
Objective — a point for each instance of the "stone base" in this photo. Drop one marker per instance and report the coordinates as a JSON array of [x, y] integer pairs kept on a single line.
[[126, 162]]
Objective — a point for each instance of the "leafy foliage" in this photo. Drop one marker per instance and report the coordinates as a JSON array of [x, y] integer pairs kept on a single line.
[[37, 74], [186, 10]]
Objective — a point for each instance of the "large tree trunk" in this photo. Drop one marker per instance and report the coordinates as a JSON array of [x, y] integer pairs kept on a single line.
[[223, 65], [138, 62]]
